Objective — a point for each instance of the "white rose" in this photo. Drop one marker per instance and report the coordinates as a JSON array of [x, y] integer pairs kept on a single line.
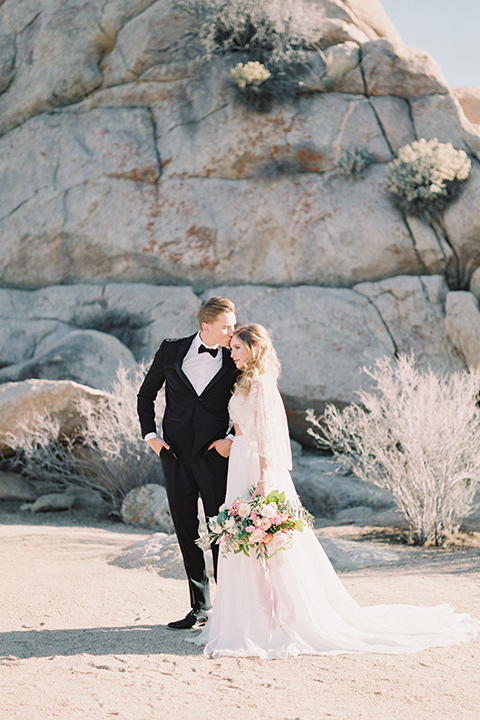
[[269, 510], [244, 510]]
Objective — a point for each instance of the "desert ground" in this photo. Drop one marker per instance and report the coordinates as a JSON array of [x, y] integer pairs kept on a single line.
[[83, 638]]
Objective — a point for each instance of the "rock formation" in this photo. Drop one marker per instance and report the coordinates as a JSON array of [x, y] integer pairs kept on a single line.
[[20, 402], [469, 99], [125, 157], [134, 183]]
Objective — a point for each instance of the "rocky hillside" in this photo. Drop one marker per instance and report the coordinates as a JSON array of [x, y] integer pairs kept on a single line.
[[130, 159]]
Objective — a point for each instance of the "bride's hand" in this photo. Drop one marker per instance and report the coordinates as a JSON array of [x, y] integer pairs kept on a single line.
[[260, 489]]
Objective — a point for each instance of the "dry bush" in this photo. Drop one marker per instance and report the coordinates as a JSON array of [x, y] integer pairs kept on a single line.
[[108, 455], [418, 437]]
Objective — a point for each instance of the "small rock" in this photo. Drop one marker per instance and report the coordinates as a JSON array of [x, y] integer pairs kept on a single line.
[[147, 505], [64, 501], [15, 487], [351, 555], [354, 515]]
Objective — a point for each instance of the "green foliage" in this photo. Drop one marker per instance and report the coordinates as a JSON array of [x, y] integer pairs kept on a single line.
[[426, 176], [353, 162], [418, 437]]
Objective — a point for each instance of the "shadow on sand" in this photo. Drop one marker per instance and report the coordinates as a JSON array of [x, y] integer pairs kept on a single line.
[[128, 640]]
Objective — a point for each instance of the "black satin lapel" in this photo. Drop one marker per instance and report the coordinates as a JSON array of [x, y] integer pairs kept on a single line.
[[222, 371], [182, 351]]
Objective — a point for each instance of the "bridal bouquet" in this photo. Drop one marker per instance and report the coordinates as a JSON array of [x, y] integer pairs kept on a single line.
[[264, 525]]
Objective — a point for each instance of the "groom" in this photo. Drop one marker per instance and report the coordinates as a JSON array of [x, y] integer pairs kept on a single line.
[[199, 376]]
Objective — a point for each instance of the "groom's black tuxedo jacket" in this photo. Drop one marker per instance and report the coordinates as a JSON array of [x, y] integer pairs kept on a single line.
[[190, 422]]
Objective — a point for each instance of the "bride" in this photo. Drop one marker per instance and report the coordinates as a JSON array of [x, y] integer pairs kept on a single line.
[[294, 603]]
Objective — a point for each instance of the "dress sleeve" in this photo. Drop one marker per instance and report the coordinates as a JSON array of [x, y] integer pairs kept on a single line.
[[270, 428]]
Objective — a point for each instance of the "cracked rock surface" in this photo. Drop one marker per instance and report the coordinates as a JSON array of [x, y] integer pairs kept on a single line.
[[125, 158], [134, 184]]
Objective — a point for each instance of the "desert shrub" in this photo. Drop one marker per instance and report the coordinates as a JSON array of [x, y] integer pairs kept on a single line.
[[338, 71], [418, 437], [273, 30], [272, 33], [426, 176], [352, 163], [108, 454]]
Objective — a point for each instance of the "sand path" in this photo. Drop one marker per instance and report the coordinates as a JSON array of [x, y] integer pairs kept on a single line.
[[84, 639]]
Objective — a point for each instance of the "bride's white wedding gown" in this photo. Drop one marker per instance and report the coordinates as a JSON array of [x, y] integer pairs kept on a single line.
[[296, 604]]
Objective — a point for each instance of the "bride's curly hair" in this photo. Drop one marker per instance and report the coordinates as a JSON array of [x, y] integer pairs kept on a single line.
[[262, 358]]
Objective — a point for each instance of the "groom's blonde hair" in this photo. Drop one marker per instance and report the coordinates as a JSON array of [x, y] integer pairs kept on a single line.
[[214, 307]]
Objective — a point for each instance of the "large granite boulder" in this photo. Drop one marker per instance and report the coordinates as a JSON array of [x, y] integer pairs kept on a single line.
[[326, 490], [139, 315], [325, 337], [130, 160], [400, 71], [21, 402], [88, 357], [413, 310]]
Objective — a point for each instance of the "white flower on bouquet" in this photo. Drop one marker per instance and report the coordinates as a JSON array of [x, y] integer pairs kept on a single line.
[[269, 510], [244, 510]]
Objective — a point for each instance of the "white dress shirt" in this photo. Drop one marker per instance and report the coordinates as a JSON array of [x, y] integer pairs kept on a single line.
[[200, 368]]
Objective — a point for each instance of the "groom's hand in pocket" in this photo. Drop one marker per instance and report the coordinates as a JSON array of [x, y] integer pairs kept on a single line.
[[222, 446], [157, 445]]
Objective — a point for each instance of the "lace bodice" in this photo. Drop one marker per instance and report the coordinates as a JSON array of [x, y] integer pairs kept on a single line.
[[261, 418]]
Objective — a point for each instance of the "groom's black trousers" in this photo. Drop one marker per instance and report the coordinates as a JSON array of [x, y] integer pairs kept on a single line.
[[184, 482]]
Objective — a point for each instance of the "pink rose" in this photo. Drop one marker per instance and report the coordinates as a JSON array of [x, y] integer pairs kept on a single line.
[[256, 536]]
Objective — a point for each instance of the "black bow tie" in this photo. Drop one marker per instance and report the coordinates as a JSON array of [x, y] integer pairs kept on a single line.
[[213, 351]]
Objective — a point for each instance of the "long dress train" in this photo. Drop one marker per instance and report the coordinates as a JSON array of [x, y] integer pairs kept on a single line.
[[295, 603]]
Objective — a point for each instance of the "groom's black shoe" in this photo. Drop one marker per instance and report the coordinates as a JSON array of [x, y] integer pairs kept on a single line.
[[195, 618]]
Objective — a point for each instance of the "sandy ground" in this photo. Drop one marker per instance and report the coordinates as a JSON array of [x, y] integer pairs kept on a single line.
[[83, 638]]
